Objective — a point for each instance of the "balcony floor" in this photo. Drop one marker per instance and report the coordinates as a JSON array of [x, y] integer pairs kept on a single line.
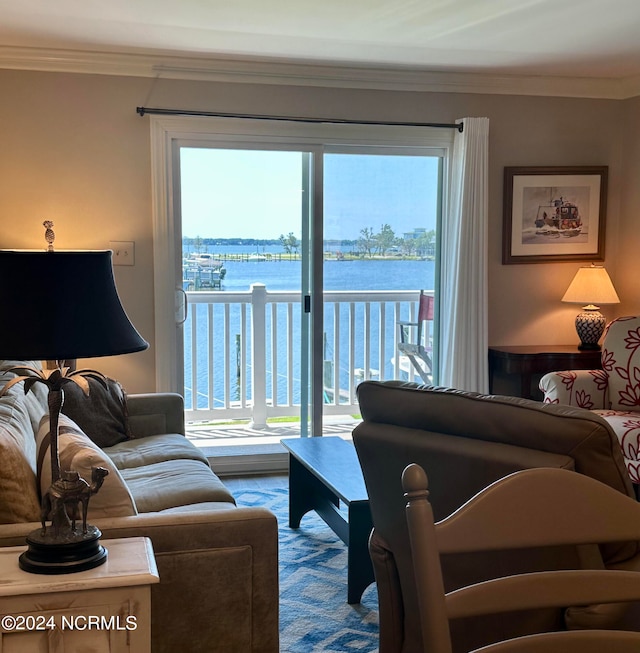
[[240, 434], [237, 450]]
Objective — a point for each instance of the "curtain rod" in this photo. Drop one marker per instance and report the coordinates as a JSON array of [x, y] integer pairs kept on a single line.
[[334, 121]]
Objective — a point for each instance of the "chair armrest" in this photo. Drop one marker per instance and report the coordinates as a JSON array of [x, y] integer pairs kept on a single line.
[[582, 388], [155, 413]]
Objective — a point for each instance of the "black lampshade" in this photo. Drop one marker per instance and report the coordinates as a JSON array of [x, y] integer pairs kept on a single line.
[[62, 305]]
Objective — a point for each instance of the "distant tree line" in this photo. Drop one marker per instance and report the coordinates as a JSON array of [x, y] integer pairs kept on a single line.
[[199, 244], [369, 243], [383, 242]]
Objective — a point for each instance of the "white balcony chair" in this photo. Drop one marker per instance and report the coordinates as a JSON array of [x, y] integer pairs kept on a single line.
[[415, 341], [541, 507]]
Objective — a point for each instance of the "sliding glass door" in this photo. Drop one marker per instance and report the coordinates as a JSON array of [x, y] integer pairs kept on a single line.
[[246, 242], [287, 256]]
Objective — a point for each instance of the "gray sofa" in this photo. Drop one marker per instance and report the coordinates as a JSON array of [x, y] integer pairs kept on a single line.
[[465, 441], [218, 564]]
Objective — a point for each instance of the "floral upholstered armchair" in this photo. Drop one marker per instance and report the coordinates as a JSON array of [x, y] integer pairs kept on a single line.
[[612, 392]]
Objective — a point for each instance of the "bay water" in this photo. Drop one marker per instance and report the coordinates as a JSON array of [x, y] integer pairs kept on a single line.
[[362, 274]]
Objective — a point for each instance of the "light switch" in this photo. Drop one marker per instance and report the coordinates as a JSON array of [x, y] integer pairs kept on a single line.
[[123, 252]]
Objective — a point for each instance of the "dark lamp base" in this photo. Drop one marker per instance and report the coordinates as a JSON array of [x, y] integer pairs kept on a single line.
[[50, 555], [589, 346]]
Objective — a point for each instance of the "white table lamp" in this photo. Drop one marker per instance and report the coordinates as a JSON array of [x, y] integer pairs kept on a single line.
[[591, 286]]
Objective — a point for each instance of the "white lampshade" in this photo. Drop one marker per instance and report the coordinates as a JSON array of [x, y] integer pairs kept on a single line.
[[591, 285]]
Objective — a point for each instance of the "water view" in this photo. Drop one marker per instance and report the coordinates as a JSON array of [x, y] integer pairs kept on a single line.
[[245, 208], [344, 274], [361, 275]]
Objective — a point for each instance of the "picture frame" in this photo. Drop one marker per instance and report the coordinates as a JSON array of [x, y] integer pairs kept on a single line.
[[554, 214]]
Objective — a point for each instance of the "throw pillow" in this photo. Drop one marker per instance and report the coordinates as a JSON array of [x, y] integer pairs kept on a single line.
[[102, 414], [78, 453]]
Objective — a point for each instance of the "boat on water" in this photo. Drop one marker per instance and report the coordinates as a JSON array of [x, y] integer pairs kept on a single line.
[[205, 260], [202, 272], [557, 219]]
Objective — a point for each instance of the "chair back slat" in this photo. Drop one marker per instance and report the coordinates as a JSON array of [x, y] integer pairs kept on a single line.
[[546, 507], [556, 589], [576, 641]]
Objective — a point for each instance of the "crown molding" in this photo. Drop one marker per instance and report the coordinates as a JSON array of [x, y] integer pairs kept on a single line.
[[297, 73]]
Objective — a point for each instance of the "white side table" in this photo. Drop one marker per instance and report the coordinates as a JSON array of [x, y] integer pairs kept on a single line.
[[103, 609]]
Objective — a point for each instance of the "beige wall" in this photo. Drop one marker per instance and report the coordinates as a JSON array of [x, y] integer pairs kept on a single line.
[[74, 151]]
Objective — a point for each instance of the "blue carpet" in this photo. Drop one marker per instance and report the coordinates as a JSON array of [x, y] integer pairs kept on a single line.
[[314, 614]]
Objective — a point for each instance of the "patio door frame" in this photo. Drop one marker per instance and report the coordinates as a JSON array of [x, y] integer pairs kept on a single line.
[[169, 133]]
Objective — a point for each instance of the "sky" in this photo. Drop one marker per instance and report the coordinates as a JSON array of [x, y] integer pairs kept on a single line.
[[258, 194]]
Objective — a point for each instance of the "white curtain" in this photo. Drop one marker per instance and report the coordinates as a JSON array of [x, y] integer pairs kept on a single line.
[[463, 329]]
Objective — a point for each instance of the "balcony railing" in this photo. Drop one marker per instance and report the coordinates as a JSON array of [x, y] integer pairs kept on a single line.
[[243, 357]]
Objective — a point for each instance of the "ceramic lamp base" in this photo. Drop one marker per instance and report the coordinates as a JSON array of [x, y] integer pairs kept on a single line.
[[590, 326]]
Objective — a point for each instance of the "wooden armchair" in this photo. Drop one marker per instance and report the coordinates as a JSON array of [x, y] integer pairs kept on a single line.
[[542, 507]]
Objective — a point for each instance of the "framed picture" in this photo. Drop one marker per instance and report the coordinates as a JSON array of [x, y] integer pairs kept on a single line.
[[554, 214]]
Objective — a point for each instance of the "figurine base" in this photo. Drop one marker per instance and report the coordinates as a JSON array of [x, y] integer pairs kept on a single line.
[[74, 552]]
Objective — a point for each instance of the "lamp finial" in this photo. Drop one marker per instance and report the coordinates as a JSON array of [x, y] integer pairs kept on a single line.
[[49, 234]]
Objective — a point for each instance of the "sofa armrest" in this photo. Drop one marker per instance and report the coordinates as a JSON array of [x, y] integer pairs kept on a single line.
[[155, 413], [218, 570], [581, 388]]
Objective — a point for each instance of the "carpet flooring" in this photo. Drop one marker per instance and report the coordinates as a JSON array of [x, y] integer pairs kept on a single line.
[[314, 614]]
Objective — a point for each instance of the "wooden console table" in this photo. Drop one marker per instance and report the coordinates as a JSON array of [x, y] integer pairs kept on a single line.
[[528, 361]]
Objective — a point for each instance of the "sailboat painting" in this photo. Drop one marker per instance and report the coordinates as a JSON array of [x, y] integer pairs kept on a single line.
[[554, 214]]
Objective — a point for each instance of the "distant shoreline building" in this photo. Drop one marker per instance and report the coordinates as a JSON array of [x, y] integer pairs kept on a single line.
[[415, 234]]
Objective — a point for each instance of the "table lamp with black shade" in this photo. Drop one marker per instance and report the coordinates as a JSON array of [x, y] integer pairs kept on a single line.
[[64, 306]]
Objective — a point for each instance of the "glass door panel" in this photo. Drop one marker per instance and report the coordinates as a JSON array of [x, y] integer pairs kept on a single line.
[[245, 216], [380, 235]]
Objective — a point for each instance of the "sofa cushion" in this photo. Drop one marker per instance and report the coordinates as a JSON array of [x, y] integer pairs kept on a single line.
[[19, 498], [208, 506], [35, 401], [102, 414], [153, 449], [19, 418], [174, 483], [78, 453]]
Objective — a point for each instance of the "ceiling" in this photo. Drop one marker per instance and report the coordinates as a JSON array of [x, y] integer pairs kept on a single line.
[[558, 38]]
